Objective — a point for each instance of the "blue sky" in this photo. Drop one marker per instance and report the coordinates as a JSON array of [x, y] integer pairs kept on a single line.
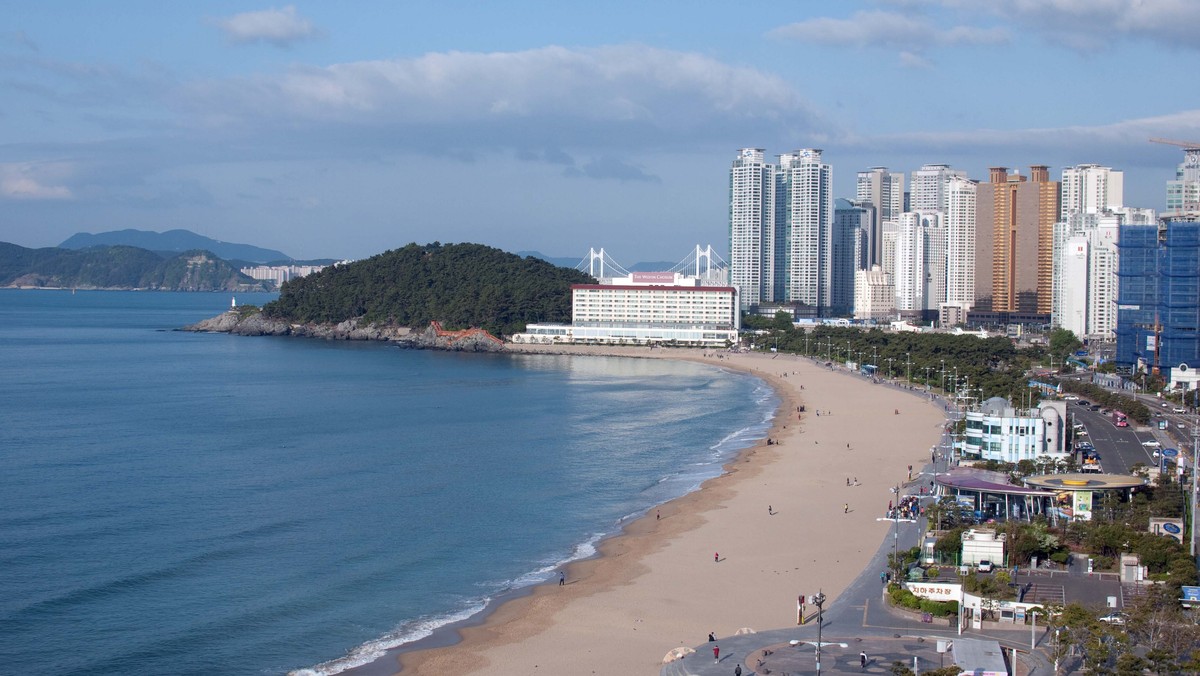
[[344, 129]]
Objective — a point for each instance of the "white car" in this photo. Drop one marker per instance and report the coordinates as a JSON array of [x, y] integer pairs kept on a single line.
[[1115, 618], [1070, 397], [1151, 444], [984, 566], [1179, 409]]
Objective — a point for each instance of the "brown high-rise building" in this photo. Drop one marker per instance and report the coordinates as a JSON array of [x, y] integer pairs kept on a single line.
[[1014, 228]]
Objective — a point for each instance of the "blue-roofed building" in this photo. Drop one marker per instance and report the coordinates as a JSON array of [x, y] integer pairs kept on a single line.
[[1158, 300]]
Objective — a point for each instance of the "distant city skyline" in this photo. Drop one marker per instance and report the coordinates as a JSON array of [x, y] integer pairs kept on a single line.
[[333, 131]]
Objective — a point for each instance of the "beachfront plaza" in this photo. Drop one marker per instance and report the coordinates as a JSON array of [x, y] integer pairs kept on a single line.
[[989, 496]]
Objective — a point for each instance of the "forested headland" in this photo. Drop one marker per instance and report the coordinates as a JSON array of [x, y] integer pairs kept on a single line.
[[120, 267], [460, 285]]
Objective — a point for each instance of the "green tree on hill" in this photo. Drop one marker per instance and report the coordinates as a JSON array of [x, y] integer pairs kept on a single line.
[[460, 285]]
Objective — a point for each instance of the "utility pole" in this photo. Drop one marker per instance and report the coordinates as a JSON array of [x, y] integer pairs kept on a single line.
[[1195, 461], [896, 536], [819, 599]]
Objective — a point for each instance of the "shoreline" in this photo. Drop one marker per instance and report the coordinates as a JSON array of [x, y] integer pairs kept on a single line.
[[583, 623]]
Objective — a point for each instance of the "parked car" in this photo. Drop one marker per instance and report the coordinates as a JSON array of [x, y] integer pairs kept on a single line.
[[984, 566], [1084, 402], [1115, 618]]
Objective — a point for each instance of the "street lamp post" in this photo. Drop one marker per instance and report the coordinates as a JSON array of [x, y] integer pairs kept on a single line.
[[908, 363], [896, 536], [943, 377], [891, 372], [926, 378], [819, 599]]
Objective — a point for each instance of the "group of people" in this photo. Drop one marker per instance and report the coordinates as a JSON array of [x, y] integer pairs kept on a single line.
[[909, 508]]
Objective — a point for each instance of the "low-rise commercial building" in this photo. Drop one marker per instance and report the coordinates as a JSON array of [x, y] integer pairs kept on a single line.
[[997, 431]]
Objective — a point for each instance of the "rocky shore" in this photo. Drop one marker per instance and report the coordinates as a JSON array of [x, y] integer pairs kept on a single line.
[[253, 323]]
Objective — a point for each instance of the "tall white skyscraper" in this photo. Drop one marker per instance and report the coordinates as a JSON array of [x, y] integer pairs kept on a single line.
[[752, 230], [887, 247], [804, 205], [1091, 189], [960, 242], [927, 187], [920, 278], [885, 191]]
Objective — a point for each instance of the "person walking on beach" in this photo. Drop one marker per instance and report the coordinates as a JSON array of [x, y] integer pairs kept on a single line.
[[716, 557], [712, 637], [770, 510], [846, 508], [862, 660], [716, 654], [737, 671], [562, 578]]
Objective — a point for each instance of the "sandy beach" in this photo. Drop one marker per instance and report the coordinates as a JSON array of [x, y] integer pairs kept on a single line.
[[716, 560]]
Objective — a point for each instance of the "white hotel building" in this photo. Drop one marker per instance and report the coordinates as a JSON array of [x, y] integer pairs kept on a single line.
[[646, 308]]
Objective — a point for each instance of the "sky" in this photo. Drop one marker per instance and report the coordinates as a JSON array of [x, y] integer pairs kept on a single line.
[[341, 130]]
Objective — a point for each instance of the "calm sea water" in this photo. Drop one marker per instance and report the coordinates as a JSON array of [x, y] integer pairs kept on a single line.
[[197, 504]]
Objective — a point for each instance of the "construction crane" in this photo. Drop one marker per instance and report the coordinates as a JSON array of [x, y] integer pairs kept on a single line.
[[1186, 145]]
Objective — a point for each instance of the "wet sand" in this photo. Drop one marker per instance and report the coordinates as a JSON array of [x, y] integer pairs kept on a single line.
[[716, 560]]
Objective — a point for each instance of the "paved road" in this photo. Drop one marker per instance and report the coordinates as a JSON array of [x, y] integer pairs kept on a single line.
[[1119, 447]]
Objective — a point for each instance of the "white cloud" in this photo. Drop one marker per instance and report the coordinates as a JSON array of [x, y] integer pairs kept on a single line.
[[1092, 24], [887, 29], [280, 27], [1129, 137], [540, 98], [911, 60], [609, 167], [34, 181]]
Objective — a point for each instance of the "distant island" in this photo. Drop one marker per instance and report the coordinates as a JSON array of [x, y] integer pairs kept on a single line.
[[174, 242], [461, 286], [121, 267]]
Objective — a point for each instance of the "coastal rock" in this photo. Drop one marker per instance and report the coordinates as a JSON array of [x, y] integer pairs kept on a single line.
[[253, 323], [470, 340], [250, 322]]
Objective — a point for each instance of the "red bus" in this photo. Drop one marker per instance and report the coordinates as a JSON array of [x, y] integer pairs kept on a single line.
[[1120, 419]]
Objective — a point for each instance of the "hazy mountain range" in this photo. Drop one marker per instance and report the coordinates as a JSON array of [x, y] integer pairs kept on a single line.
[[175, 241]]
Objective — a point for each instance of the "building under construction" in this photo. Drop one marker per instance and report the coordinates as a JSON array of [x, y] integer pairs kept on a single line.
[[1158, 301], [1158, 297]]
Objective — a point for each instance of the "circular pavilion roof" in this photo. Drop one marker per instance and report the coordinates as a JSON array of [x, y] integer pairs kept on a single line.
[[1085, 482]]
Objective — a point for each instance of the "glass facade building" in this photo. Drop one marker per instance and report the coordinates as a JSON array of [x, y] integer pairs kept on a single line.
[[1158, 297]]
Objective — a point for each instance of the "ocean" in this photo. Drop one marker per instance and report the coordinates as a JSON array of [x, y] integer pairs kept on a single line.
[[198, 503]]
